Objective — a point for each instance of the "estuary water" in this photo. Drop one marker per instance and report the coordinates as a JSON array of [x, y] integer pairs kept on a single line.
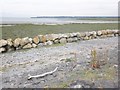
[[51, 21]]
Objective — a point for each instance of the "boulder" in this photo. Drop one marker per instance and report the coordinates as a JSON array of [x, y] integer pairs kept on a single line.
[[90, 37], [99, 33], [16, 42], [62, 36], [68, 35], [3, 42], [104, 32], [24, 41], [88, 33], [34, 45], [115, 31], [119, 32], [40, 44], [82, 34], [10, 48], [56, 41], [110, 35], [49, 43], [30, 40], [78, 35], [109, 31], [94, 34], [10, 42], [86, 38], [69, 40], [27, 46], [2, 50], [63, 40], [73, 34], [36, 40], [55, 36], [51, 37], [103, 36], [74, 39], [42, 38]]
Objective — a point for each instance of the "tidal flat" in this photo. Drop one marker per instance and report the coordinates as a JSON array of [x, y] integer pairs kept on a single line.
[[31, 30]]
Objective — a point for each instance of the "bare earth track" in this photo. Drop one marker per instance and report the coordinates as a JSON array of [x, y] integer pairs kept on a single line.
[[73, 62]]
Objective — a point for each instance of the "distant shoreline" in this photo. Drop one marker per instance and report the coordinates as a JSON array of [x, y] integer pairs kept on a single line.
[[76, 17], [57, 20]]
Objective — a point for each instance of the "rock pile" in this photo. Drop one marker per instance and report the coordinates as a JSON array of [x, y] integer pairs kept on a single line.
[[49, 39]]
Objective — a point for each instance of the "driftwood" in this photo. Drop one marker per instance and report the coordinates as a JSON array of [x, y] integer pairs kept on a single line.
[[42, 75]]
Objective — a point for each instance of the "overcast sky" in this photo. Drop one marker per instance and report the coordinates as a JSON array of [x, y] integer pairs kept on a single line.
[[28, 8]]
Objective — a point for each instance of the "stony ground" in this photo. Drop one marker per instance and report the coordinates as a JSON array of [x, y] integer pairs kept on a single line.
[[73, 62]]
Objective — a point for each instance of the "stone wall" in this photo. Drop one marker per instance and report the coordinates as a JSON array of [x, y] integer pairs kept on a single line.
[[7, 45]]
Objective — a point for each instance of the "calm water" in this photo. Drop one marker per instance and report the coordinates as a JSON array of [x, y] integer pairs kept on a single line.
[[53, 21]]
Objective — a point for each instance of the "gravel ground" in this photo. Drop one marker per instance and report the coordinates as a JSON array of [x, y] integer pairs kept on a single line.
[[73, 62]]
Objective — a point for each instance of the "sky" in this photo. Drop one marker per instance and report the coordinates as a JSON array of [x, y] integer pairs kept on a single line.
[[31, 8]]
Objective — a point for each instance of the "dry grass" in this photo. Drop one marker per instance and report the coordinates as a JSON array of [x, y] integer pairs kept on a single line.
[[94, 62]]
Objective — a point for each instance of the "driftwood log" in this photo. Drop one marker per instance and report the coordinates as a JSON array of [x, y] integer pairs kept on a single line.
[[42, 75]]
